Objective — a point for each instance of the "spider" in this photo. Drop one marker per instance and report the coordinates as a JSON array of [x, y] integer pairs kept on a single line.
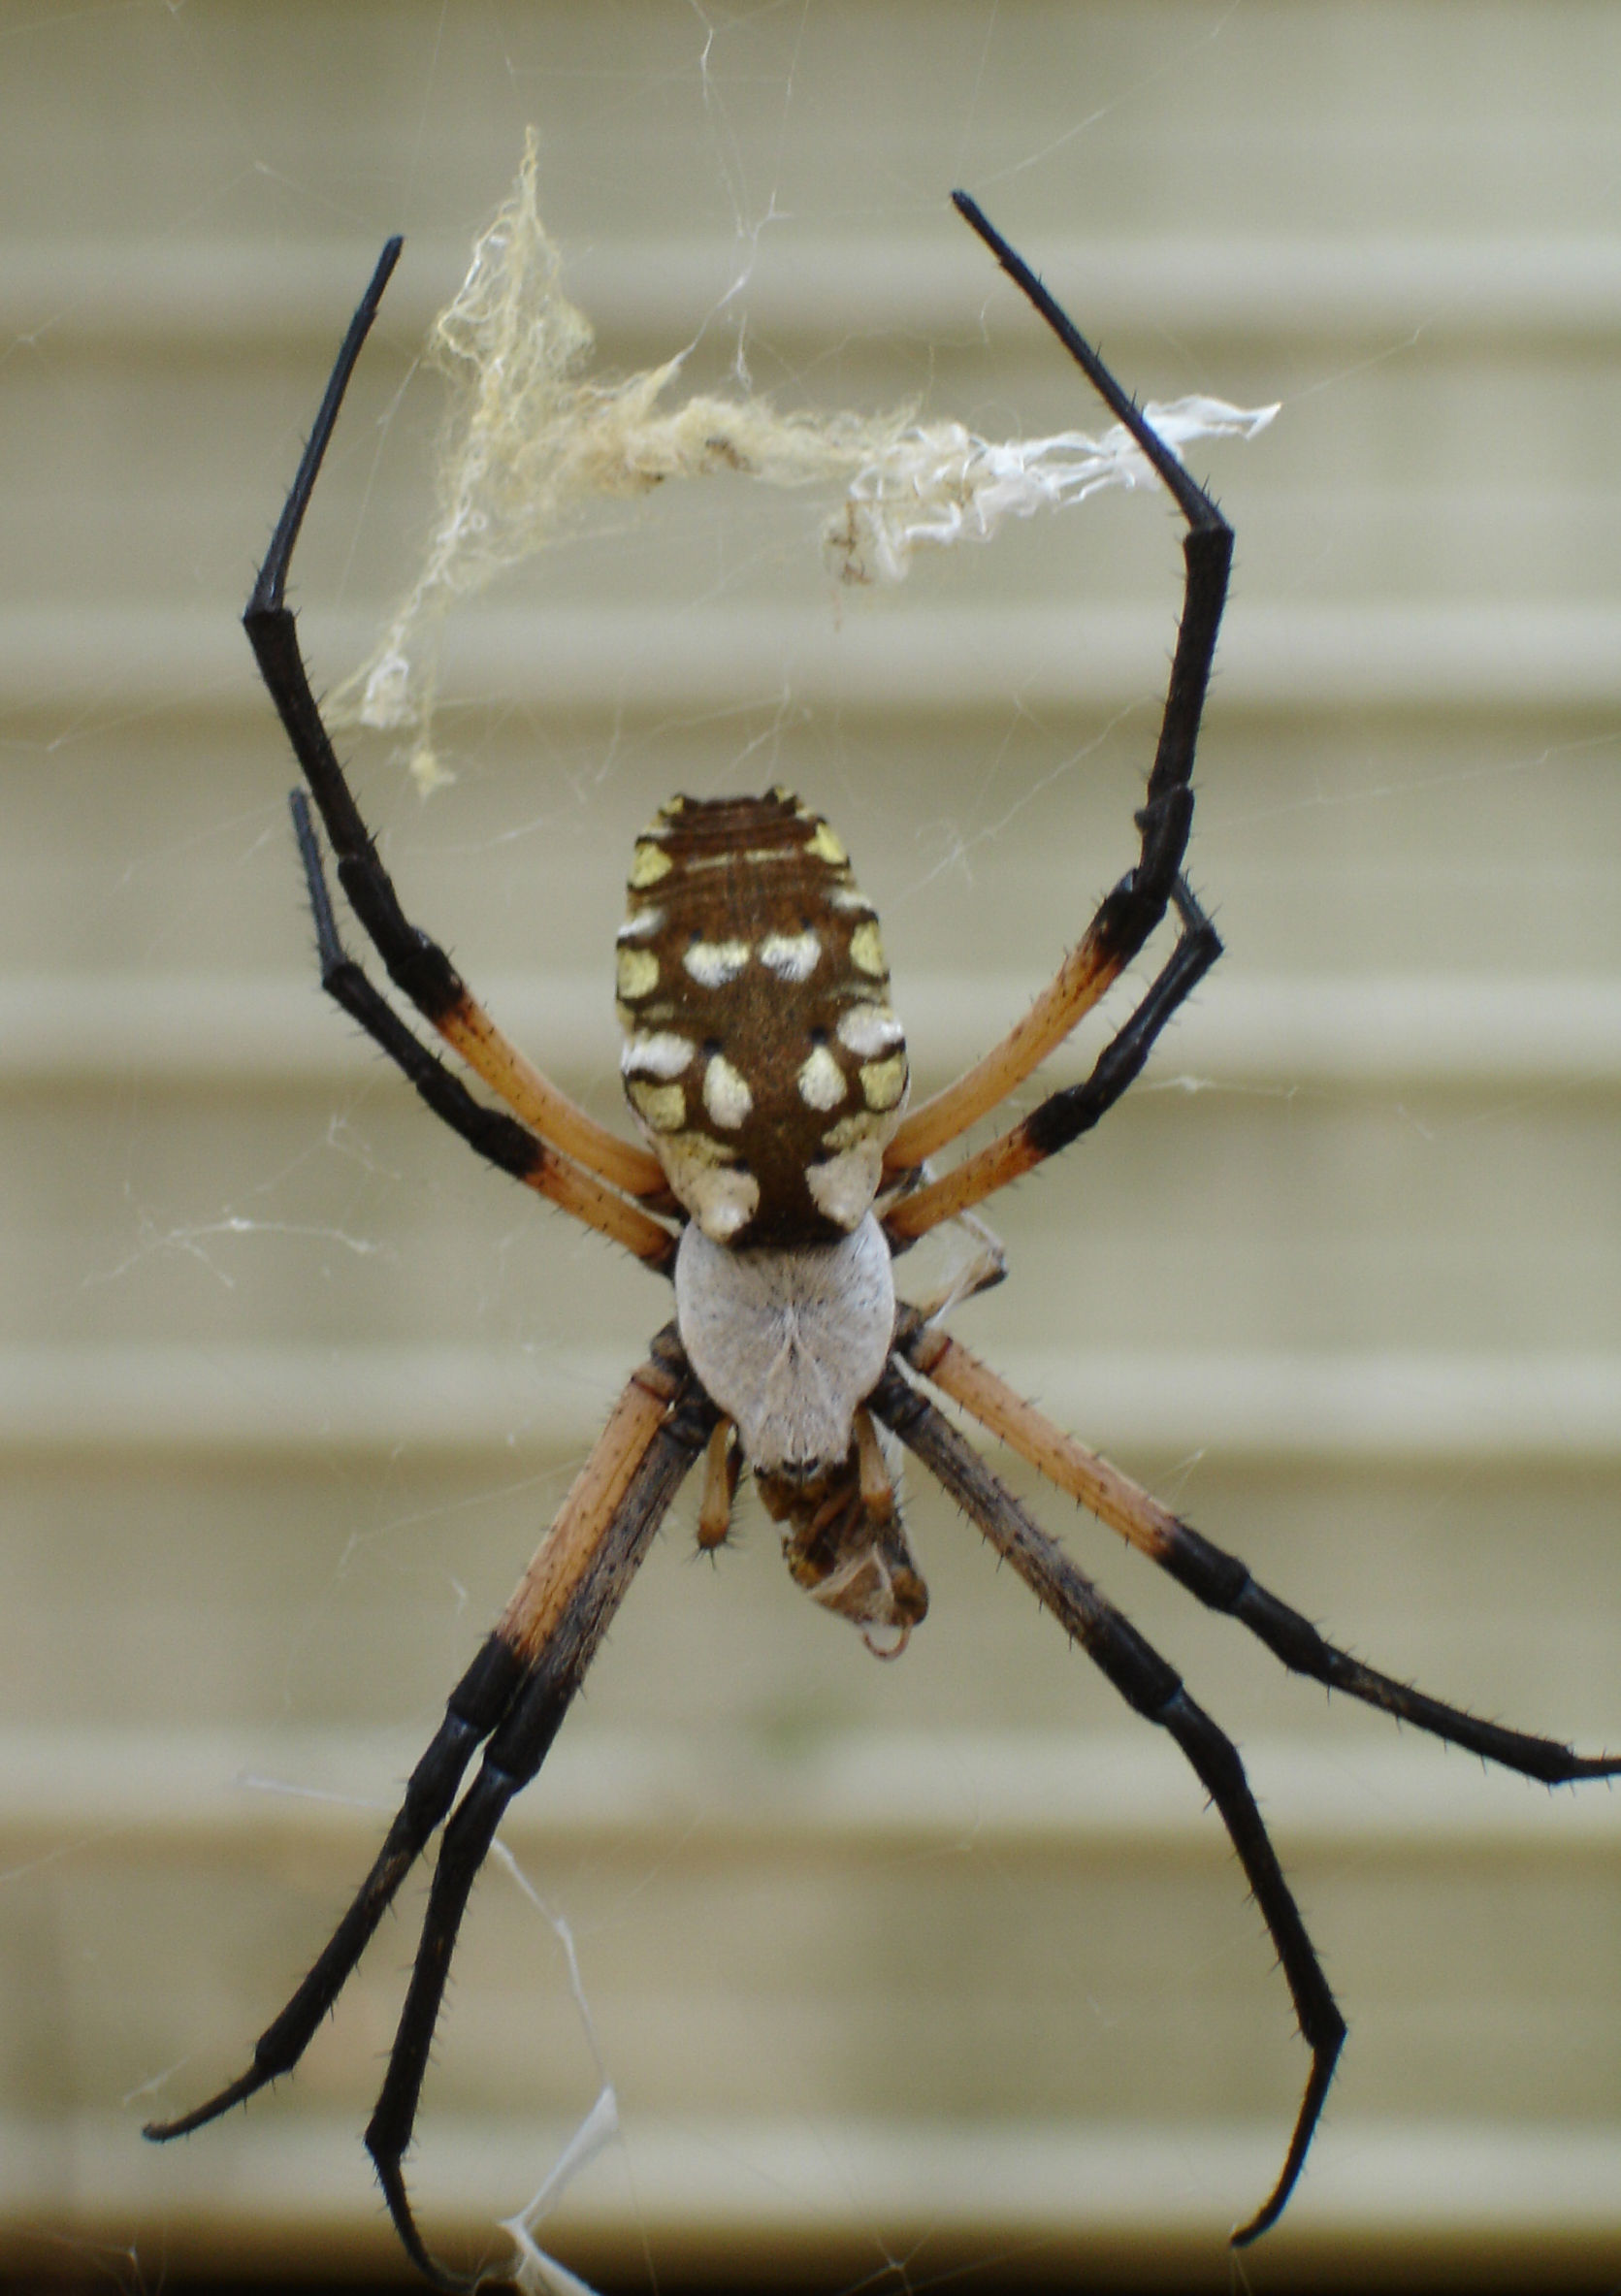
[[782, 1176]]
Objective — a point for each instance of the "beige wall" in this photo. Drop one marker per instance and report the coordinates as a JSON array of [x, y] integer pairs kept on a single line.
[[947, 1950]]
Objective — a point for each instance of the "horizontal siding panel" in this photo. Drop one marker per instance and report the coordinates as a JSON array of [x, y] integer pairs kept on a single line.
[[1474, 659], [250, 1403], [196, 297], [707, 2193], [1101, 1855], [1361, 1033], [278, 1798]]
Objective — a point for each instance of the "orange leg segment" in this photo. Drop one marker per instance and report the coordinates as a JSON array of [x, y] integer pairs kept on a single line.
[[543, 1594], [624, 1164], [1113, 1497], [1080, 982]]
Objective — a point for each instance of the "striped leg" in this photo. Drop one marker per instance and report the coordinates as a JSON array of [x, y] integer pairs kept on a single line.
[[513, 1147], [1154, 1690], [515, 1695], [1221, 1581], [1131, 913], [1064, 1115], [416, 964]]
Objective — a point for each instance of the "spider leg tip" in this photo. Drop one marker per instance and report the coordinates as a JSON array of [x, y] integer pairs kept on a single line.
[[1271, 2208], [391, 2176]]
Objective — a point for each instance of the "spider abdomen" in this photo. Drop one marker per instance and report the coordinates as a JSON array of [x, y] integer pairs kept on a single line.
[[763, 1059]]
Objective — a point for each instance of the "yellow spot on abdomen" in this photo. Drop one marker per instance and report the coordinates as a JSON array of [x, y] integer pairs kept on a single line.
[[663, 1106], [638, 973], [883, 1081], [867, 949], [648, 863]]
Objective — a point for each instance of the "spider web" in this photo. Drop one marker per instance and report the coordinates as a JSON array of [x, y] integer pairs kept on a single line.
[[531, 446], [1408, 823]]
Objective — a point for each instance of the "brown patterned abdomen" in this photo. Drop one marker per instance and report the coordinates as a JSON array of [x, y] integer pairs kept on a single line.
[[763, 1059]]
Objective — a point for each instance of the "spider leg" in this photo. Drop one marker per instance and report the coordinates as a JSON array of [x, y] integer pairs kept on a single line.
[[571, 1601], [1064, 1115], [475, 1705], [416, 964], [1131, 913], [723, 1467], [1154, 1691], [983, 1272], [508, 1145], [561, 1606], [1221, 1581]]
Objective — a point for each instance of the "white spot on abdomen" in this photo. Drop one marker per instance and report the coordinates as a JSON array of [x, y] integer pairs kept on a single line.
[[663, 1053], [792, 956], [868, 1030], [843, 1188], [721, 1199], [726, 1094], [821, 1080], [713, 963]]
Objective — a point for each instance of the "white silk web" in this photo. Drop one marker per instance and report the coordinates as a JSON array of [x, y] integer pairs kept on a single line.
[[532, 440]]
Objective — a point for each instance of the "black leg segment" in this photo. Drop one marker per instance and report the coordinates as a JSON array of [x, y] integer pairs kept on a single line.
[[1167, 810], [507, 1144], [1154, 1690], [518, 1704], [1223, 1582], [475, 1705], [511, 1759], [418, 967], [1064, 1115]]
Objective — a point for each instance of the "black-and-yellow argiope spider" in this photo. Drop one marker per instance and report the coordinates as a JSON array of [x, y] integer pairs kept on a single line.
[[783, 1175]]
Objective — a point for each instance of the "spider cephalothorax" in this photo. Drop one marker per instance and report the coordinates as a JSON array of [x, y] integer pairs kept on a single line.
[[765, 1067]]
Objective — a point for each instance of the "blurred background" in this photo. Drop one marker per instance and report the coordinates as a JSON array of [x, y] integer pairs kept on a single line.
[[900, 1974]]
